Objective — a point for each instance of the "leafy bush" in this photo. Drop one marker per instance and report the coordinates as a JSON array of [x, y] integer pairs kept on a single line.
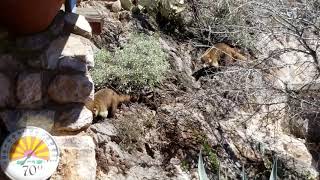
[[100, 73], [140, 63], [212, 157]]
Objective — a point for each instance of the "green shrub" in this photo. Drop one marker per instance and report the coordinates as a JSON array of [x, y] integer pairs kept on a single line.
[[99, 73], [212, 157], [140, 63], [185, 166]]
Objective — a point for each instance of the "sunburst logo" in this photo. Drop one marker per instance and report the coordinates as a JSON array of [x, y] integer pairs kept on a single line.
[[29, 146]]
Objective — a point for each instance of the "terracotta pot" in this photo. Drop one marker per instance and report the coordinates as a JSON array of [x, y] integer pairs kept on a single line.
[[28, 16]]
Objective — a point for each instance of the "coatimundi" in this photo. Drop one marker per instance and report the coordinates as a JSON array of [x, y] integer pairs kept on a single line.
[[221, 51], [106, 102]]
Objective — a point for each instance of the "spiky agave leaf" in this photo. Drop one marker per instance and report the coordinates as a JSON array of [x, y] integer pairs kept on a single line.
[[219, 172], [244, 177], [274, 170], [201, 170]]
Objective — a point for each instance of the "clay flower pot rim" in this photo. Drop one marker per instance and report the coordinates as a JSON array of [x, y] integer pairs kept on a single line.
[[28, 16]]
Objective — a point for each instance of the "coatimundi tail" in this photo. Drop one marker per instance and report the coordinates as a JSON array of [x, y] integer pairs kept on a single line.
[[106, 102], [219, 51]]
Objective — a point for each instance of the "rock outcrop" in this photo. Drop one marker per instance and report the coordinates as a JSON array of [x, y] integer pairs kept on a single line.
[[48, 72], [77, 159]]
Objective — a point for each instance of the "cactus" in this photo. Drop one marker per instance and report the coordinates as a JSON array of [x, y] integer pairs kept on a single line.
[[167, 8]]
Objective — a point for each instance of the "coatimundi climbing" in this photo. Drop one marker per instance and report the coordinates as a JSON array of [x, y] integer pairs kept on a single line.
[[221, 54], [106, 102]]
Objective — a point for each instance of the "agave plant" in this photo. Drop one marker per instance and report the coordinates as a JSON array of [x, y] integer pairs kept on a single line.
[[273, 175], [244, 176], [201, 170], [203, 175]]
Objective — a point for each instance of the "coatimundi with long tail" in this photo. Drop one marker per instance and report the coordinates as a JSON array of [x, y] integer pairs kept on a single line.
[[106, 102], [221, 53]]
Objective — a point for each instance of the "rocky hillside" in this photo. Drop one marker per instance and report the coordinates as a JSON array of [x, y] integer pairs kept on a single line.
[[241, 116]]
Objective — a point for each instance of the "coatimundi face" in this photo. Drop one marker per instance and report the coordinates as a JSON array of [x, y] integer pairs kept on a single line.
[[95, 112], [210, 57], [103, 113]]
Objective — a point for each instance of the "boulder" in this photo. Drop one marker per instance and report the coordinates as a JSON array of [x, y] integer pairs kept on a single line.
[[34, 42], [73, 119], [116, 6], [14, 119], [73, 64], [77, 158], [291, 151], [78, 24], [105, 128], [295, 70], [74, 47], [126, 4], [10, 63], [67, 46], [103, 132], [6, 89], [71, 88], [50, 57], [29, 89]]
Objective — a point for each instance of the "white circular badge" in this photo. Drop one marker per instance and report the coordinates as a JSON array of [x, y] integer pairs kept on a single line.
[[30, 153]]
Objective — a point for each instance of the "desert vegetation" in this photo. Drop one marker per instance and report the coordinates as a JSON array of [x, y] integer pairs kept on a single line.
[[276, 92], [141, 63]]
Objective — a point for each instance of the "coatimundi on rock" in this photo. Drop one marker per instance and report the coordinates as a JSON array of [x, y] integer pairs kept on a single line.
[[106, 102], [221, 53]]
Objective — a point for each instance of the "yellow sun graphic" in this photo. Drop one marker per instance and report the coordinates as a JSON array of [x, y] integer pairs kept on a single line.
[[29, 146]]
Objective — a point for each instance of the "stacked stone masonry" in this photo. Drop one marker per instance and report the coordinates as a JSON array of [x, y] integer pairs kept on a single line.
[[44, 78]]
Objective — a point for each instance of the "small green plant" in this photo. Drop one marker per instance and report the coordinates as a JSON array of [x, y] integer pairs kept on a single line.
[[140, 63], [203, 175], [100, 73], [212, 157], [207, 150], [185, 166], [130, 132]]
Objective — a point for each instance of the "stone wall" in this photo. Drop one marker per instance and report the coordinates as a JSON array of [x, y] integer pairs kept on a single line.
[[44, 79]]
